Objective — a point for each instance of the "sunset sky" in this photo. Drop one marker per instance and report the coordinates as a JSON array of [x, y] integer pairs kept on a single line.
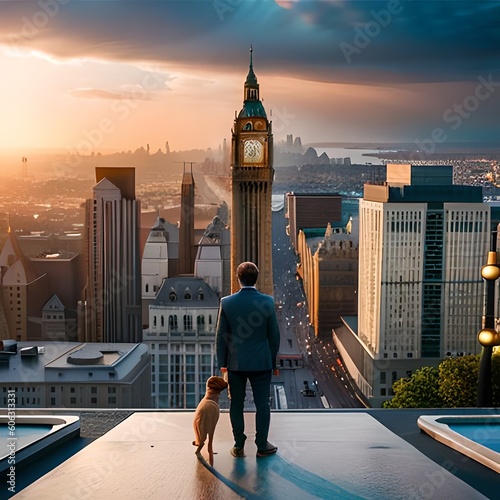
[[123, 74]]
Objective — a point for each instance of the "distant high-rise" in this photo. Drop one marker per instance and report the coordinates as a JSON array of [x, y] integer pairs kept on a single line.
[[186, 227], [112, 296], [252, 179]]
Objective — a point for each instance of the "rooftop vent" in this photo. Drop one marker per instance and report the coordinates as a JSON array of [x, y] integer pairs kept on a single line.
[[8, 346], [29, 351]]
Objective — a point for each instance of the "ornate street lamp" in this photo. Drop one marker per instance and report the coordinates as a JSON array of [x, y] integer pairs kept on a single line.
[[488, 337]]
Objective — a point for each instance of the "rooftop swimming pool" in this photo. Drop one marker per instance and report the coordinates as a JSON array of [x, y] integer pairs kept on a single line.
[[27, 435], [476, 436]]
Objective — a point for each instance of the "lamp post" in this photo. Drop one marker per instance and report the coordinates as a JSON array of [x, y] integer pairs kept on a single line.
[[488, 337]]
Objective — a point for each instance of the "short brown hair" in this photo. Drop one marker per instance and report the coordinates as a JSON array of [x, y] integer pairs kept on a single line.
[[247, 273]]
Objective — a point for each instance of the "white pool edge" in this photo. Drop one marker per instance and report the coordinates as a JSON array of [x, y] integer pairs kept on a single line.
[[437, 427]]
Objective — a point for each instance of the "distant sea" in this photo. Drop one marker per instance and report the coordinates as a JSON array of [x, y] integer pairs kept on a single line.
[[356, 155]]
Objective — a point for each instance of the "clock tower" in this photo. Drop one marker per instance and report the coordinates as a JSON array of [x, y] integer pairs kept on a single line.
[[251, 181]]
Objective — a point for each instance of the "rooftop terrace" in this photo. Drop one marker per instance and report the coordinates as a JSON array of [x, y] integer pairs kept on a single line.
[[373, 454]]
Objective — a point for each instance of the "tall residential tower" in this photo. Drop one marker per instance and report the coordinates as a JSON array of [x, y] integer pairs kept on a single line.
[[112, 297]]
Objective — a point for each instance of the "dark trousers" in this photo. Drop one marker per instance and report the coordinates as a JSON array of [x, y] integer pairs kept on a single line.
[[261, 384]]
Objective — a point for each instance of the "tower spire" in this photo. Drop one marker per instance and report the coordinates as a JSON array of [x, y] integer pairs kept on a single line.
[[251, 78]]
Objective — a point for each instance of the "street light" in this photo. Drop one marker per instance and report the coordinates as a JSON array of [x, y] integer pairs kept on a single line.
[[488, 337]]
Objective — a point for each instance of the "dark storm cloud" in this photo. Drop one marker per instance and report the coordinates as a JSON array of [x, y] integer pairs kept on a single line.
[[337, 41]]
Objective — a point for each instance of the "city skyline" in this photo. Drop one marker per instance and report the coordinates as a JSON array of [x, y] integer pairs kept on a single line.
[[109, 76]]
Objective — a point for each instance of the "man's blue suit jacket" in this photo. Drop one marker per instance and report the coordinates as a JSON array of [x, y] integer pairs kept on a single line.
[[248, 335]]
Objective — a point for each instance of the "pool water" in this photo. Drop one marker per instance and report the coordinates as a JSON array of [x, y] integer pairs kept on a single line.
[[486, 434], [34, 435], [25, 434]]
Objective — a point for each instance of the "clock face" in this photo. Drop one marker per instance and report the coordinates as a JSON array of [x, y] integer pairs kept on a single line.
[[253, 151]]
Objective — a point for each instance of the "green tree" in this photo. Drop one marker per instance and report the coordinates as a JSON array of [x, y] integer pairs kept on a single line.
[[458, 381], [453, 384], [421, 390]]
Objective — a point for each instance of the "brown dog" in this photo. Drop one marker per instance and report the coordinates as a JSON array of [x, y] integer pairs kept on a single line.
[[206, 416]]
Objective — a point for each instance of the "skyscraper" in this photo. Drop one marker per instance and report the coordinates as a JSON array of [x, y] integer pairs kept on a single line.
[[186, 227], [422, 244], [252, 179], [112, 297]]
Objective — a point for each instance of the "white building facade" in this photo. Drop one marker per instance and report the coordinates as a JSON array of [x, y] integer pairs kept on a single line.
[[154, 261], [181, 340], [213, 257]]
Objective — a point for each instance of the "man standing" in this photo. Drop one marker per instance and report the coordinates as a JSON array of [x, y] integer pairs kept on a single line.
[[248, 341]]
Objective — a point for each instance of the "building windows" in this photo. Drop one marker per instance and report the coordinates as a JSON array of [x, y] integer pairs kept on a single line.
[[172, 322], [383, 377], [200, 321], [188, 322], [162, 320], [93, 390], [111, 400], [52, 401], [93, 401], [72, 400]]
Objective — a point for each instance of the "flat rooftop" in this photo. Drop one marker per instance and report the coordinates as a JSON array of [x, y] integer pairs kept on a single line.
[[344, 454]]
